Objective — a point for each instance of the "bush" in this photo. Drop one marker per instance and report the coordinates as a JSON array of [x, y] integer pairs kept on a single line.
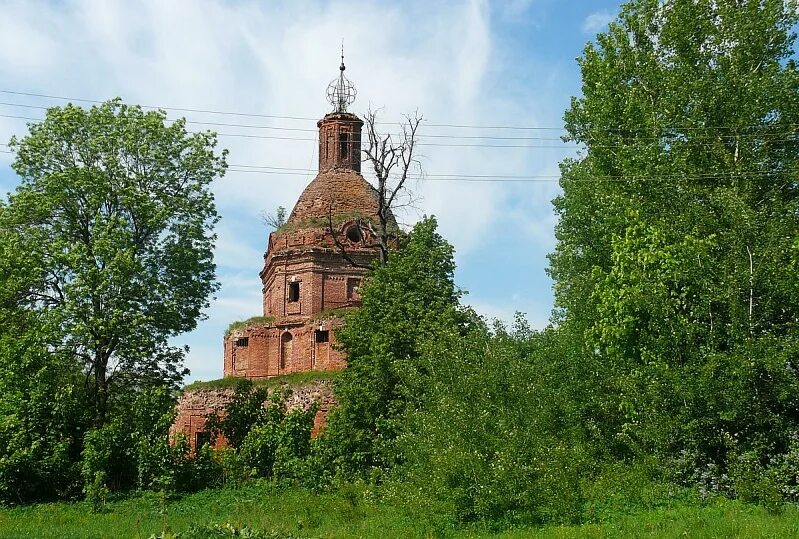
[[279, 443], [493, 441], [109, 452], [97, 492]]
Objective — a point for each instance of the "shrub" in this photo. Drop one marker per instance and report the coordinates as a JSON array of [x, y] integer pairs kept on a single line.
[[109, 452]]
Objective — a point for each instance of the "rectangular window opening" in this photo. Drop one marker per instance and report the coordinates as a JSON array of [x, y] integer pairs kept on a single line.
[[294, 292], [200, 439], [344, 148], [322, 335], [353, 288], [243, 342]]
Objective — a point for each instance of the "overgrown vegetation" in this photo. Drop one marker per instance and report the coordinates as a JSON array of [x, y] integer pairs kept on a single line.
[[253, 321], [667, 382], [292, 380]]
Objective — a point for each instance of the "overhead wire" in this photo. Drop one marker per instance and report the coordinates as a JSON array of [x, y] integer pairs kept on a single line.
[[307, 118], [263, 169], [562, 146], [508, 178]]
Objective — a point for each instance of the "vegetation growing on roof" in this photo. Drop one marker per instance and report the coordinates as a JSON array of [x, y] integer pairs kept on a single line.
[[316, 222], [254, 321], [293, 380]]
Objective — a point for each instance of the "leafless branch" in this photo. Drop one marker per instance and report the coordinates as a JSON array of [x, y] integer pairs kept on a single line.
[[386, 154], [274, 220], [342, 249]]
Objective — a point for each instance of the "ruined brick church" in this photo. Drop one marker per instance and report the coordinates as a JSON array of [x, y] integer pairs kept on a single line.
[[305, 275], [308, 276]]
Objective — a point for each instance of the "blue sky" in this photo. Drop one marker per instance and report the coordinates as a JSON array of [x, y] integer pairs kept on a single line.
[[506, 63]]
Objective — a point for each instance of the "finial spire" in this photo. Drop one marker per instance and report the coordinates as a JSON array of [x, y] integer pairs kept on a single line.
[[341, 92]]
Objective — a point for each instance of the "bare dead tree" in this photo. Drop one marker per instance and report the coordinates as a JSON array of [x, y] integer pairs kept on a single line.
[[393, 159], [274, 220]]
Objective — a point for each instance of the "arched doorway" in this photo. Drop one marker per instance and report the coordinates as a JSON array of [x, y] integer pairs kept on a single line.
[[285, 350]]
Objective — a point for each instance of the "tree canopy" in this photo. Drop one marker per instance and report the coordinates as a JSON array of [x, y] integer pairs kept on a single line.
[[111, 235], [677, 228]]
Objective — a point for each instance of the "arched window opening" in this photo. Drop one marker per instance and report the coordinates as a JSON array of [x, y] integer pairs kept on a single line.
[[354, 234], [285, 349]]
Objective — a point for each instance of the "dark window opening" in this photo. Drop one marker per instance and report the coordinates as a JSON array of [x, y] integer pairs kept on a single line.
[[243, 341], [285, 349], [354, 234], [344, 148], [322, 335], [294, 292], [353, 286], [200, 439]]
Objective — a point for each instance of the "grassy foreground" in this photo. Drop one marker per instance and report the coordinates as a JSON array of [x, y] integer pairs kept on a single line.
[[296, 513]]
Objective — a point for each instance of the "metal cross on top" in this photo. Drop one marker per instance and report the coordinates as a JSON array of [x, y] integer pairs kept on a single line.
[[341, 92]]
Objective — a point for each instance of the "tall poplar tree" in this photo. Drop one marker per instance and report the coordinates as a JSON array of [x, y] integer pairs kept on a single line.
[[678, 225]]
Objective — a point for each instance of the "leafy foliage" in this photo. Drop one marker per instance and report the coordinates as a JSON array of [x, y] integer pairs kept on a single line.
[[495, 441], [404, 303], [266, 438], [674, 234], [114, 218]]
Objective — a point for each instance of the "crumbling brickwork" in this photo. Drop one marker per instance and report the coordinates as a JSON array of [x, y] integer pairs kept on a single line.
[[194, 407], [306, 280]]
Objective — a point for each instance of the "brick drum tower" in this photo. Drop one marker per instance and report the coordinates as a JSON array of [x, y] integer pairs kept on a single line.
[[306, 278]]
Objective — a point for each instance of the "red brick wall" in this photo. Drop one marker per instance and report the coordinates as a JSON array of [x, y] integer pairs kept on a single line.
[[262, 357], [331, 128], [194, 407]]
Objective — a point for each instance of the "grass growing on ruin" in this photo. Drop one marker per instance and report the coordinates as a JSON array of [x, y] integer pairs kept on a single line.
[[253, 321], [291, 380], [350, 514]]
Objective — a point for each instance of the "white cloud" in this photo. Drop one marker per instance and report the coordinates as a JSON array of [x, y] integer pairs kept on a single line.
[[537, 315], [273, 58], [597, 21]]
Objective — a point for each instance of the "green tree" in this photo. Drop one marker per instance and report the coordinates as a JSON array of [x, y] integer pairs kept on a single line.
[[115, 217], [412, 299], [497, 439], [245, 410], [42, 412], [676, 227]]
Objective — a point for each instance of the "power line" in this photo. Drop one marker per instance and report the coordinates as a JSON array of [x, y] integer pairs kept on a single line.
[[430, 144], [272, 116], [276, 137], [507, 178], [306, 118], [179, 109], [764, 136], [302, 129], [546, 178]]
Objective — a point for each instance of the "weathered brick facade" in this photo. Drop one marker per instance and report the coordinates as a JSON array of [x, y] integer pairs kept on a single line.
[[194, 407], [306, 279]]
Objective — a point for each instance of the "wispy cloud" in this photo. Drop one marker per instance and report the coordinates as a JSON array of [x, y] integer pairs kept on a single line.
[[596, 21], [272, 58]]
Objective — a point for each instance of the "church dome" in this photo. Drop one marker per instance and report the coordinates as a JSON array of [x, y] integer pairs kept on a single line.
[[338, 194]]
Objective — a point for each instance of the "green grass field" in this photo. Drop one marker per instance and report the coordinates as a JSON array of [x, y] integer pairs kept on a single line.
[[297, 513]]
